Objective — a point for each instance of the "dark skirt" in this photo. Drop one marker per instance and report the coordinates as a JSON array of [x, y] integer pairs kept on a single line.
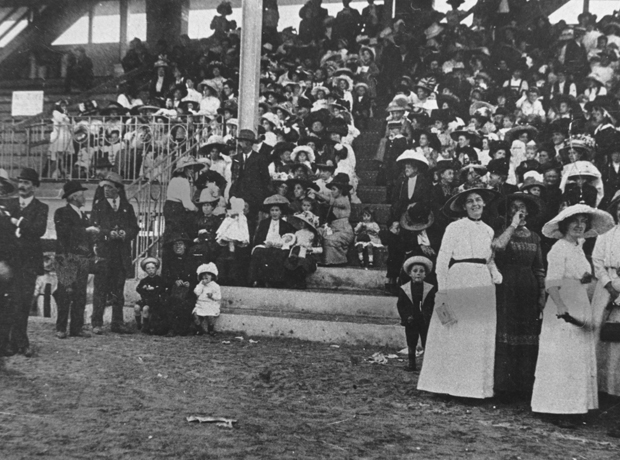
[[177, 218], [518, 328], [267, 267]]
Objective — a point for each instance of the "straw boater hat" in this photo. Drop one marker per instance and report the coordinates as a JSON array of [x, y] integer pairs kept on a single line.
[[272, 118], [418, 260], [6, 187], [516, 131], [415, 157], [150, 260], [276, 200], [454, 206], [296, 219], [188, 162], [600, 221], [417, 217], [207, 268], [215, 141]]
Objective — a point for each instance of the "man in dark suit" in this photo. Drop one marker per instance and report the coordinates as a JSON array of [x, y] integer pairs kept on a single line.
[[118, 227], [498, 174], [29, 217], [253, 180], [74, 251], [9, 256]]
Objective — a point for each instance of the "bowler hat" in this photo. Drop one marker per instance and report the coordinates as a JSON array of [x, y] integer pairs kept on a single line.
[[247, 135], [31, 175], [71, 187]]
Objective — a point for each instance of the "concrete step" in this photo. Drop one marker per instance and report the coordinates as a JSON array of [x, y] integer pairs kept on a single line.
[[368, 177], [366, 164], [372, 194], [379, 268], [347, 279]]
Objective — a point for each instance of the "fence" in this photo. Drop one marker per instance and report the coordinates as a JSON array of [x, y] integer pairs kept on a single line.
[[143, 152]]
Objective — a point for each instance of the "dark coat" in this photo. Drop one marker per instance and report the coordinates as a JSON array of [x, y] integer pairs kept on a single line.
[[71, 235], [400, 200], [421, 312], [31, 228], [104, 217], [253, 180], [263, 228]]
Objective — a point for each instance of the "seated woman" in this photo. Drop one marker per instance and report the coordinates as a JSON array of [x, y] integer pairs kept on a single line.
[[299, 190], [268, 257], [179, 209], [337, 233], [303, 256]]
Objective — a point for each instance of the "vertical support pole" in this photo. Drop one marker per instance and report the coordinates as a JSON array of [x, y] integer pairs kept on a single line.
[[124, 14], [251, 32], [91, 19], [586, 6]]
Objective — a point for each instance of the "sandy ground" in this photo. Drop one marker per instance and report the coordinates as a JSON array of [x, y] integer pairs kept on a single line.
[[128, 396]]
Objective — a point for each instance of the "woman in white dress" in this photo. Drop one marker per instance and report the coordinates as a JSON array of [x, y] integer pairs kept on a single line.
[[565, 378], [606, 260], [61, 141], [460, 348]]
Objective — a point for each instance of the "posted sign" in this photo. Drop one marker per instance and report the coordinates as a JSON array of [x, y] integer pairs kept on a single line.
[[26, 103]]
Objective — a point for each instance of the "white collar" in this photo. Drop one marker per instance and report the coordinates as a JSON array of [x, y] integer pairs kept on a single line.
[[25, 201], [76, 209]]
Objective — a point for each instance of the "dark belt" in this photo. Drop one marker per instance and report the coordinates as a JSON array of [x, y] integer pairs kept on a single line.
[[467, 261]]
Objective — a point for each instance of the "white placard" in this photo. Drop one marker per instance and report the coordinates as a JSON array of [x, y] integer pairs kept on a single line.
[[26, 103]]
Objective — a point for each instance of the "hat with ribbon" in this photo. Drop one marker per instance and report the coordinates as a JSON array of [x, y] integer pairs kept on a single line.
[[72, 187]]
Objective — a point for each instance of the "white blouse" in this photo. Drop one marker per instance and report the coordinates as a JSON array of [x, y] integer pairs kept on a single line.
[[566, 261]]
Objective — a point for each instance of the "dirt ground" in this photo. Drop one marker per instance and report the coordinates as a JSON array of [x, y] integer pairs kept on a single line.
[[114, 397]]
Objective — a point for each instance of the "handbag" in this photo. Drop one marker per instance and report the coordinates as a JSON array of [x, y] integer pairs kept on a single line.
[[610, 330]]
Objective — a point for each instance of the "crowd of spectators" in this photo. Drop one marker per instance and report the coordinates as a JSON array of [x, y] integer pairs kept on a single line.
[[496, 139]]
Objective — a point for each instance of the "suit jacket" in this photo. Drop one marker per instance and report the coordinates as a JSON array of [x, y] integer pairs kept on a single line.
[[400, 199], [253, 180], [71, 235], [104, 217], [420, 312], [32, 226], [263, 228]]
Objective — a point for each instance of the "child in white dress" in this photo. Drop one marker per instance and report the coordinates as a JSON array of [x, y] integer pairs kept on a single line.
[[234, 230], [367, 237], [208, 296]]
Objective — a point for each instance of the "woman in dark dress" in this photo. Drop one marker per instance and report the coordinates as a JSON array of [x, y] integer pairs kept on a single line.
[[267, 263], [520, 297]]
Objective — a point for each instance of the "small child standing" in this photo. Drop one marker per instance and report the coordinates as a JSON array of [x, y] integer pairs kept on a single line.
[[45, 289], [152, 290], [530, 163], [416, 301], [208, 296], [367, 237], [234, 230]]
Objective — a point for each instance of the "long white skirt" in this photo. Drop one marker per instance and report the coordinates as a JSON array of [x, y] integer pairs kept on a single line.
[[459, 358], [607, 353], [565, 380]]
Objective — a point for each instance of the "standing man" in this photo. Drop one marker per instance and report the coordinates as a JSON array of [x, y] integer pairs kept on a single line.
[[9, 255], [118, 227], [253, 180], [29, 218], [74, 251]]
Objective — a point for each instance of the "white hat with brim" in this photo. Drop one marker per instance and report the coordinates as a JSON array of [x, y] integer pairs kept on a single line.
[[207, 268], [150, 260], [417, 157], [303, 148], [316, 90], [418, 260], [600, 221], [454, 206], [188, 162]]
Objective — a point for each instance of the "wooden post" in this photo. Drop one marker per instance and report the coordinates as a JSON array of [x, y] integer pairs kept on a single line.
[[586, 6], [124, 13], [249, 75]]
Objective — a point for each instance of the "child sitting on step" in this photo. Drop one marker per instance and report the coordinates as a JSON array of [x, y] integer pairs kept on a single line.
[[367, 237], [208, 296], [152, 290]]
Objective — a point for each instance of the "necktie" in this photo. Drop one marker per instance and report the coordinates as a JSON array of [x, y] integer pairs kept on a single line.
[[22, 204], [114, 204]]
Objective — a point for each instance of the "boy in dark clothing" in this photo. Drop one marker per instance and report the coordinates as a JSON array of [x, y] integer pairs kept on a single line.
[[416, 301], [152, 290], [395, 144]]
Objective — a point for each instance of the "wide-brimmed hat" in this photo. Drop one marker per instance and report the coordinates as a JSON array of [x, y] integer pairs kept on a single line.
[[361, 84], [276, 200], [316, 89], [272, 118], [188, 162], [178, 236], [481, 107], [150, 260], [499, 166], [344, 77], [210, 176], [184, 105], [472, 135], [306, 184], [341, 181], [31, 175], [454, 206], [418, 260], [427, 84], [214, 141], [103, 162], [533, 204], [113, 179], [71, 187], [394, 107], [414, 156], [531, 182], [303, 148], [596, 78], [113, 107], [247, 135], [600, 221], [480, 169], [209, 195], [207, 268], [417, 217], [514, 132], [209, 84], [296, 219], [6, 187]]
